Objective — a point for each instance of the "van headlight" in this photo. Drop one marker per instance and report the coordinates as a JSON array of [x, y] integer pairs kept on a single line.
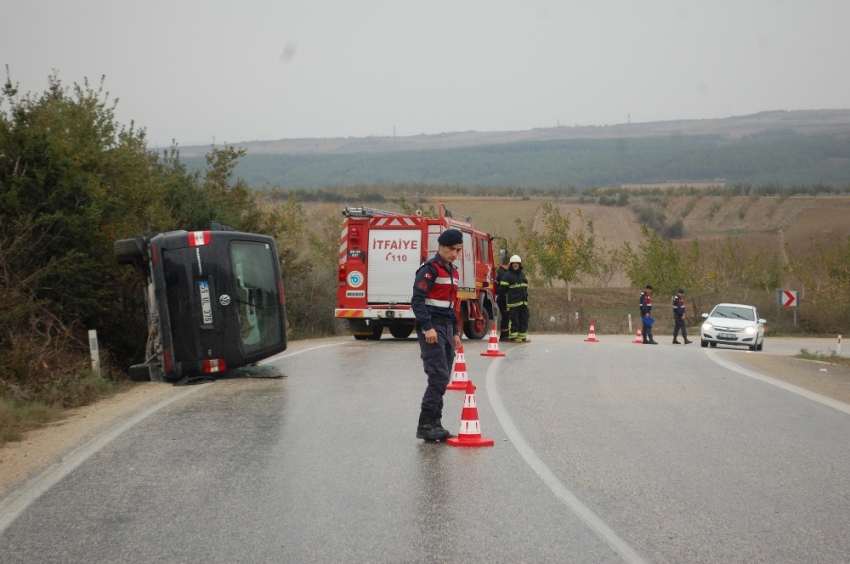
[[707, 326], [750, 330]]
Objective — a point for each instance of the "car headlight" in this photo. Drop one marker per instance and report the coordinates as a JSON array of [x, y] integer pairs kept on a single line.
[[750, 330], [707, 326]]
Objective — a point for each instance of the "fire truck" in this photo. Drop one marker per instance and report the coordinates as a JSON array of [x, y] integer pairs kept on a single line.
[[379, 254]]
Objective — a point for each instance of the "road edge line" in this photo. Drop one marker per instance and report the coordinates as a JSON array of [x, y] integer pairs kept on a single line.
[[597, 525], [19, 499], [808, 394], [16, 502]]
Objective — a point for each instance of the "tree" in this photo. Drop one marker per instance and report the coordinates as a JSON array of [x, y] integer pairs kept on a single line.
[[658, 263], [557, 252]]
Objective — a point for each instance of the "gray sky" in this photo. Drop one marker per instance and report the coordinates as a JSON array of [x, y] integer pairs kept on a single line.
[[242, 70]]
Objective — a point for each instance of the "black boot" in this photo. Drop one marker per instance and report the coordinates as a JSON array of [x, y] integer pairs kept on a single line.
[[429, 428], [676, 342], [687, 342]]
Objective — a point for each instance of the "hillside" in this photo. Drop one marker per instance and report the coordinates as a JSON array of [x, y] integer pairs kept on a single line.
[[736, 127], [802, 147]]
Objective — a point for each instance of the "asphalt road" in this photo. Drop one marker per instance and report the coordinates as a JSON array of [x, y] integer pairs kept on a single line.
[[605, 452]]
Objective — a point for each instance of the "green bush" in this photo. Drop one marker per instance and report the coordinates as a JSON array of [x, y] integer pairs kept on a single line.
[[72, 181]]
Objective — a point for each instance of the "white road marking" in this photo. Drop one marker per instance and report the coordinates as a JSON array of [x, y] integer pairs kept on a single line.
[[835, 404], [15, 503], [283, 355], [597, 525]]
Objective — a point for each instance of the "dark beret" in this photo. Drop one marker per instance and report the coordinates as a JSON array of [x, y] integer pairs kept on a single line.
[[450, 237], [648, 286], [681, 290]]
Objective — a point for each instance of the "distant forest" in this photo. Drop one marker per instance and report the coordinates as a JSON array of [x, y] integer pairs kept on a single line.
[[778, 156]]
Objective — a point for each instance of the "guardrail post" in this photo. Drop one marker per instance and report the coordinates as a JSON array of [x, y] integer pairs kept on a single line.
[[95, 352]]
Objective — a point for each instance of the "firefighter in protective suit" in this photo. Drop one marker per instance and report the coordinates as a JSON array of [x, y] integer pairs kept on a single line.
[[515, 286], [433, 303]]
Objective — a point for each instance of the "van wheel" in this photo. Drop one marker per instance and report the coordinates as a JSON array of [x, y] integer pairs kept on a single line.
[[361, 337], [140, 373], [126, 251], [401, 331]]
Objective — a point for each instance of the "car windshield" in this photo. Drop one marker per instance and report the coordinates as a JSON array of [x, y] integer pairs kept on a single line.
[[734, 312], [256, 296]]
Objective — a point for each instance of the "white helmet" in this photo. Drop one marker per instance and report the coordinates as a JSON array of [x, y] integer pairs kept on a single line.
[[516, 258]]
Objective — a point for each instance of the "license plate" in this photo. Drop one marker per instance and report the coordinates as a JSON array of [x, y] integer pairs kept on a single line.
[[725, 336], [206, 304], [355, 254]]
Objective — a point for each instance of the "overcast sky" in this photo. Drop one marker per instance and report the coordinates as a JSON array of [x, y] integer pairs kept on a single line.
[[239, 70]]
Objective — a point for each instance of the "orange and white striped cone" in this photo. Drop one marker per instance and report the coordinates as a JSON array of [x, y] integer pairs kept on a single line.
[[493, 345], [459, 377], [469, 434], [591, 337], [638, 338]]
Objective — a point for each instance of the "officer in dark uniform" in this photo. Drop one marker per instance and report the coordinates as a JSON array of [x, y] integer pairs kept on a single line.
[[646, 311], [502, 299], [433, 303], [679, 318]]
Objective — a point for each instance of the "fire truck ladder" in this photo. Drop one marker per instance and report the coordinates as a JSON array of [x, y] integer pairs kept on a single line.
[[370, 212]]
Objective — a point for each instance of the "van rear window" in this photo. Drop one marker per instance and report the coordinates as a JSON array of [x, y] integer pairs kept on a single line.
[[259, 311]]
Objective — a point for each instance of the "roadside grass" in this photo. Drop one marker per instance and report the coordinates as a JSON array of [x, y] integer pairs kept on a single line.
[[831, 358], [25, 410]]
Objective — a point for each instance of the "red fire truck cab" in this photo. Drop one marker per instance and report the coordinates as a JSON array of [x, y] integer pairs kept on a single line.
[[379, 254]]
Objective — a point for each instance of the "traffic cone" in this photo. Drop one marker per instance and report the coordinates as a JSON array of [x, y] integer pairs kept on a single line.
[[493, 345], [638, 338], [469, 434], [591, 337], [459, 377]]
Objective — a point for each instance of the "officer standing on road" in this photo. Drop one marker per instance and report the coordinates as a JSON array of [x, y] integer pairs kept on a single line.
[[679, 318], [515, 282], [501, 299], [645, 313], [433, 302]]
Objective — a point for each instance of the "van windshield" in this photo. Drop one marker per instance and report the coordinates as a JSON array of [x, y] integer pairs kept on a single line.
[[259, 310]]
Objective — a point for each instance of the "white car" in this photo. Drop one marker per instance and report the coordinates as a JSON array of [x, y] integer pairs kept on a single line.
[[733, 324]]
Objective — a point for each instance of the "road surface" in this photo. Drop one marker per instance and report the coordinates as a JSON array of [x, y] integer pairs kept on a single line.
[[605, 452]]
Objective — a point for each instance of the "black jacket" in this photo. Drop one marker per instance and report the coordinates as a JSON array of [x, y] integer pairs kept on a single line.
[[515, 285]]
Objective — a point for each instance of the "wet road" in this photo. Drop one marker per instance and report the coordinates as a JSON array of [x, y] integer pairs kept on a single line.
[[605, 452]]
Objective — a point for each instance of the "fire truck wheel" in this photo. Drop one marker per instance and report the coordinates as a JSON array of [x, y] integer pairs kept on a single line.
[[377, 331], [401, 331], [361, 337], [477, 328]]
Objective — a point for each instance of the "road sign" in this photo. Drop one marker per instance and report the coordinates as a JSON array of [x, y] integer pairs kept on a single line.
[[787, 298]]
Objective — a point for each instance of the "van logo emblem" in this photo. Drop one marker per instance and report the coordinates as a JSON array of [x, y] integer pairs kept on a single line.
[[224, 299]]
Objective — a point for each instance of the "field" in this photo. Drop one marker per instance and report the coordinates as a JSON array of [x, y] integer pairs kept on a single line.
[[789, 225]]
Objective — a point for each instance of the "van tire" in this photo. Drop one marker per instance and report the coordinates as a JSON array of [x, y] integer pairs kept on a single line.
[[127, 251]]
